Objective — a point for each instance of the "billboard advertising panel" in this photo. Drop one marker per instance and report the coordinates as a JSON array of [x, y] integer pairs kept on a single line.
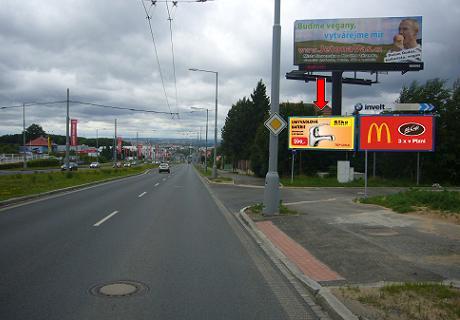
[[374, 41], [322, 133], [396, 133]]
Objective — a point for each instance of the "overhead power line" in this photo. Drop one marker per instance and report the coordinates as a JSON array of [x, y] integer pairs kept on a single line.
[[156, 53]]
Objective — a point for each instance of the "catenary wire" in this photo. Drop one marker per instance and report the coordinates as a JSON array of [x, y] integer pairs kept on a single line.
[[156, 54], [172, 51]]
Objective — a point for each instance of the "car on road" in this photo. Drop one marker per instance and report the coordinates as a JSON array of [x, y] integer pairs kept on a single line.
[[72, 166], [117, 165], [95, 165], [127, 164], [164, 167]]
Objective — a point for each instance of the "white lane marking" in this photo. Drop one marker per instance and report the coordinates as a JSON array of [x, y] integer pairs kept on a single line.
[[142, 194], [310, 201], [156, 184], [164, 179], [105, 219]]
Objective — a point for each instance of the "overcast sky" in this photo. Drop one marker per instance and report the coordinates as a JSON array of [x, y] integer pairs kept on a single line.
[[103, 52]]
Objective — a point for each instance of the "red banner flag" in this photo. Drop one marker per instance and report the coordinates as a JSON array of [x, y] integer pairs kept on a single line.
[[139, 151], [73, 132], [119, 145]]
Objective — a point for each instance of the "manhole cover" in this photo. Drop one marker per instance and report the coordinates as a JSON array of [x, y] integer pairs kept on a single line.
[[116, 289]]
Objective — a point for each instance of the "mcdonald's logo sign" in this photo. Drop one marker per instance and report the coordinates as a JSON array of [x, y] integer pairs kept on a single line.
[[396, 133], [378, 131]]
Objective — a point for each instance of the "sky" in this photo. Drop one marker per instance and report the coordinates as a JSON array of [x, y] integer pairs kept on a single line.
[[103, 52]]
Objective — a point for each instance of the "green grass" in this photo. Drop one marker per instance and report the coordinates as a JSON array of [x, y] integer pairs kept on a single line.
[[448, 201], [314, 181], [208, 174], [17, 185], [412, 301], [257, 209]]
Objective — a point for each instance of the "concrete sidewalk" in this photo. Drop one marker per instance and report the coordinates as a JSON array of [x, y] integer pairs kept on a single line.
[[334, 241]]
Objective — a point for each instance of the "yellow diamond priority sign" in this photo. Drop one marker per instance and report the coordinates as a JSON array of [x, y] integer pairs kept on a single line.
[[275, 124]]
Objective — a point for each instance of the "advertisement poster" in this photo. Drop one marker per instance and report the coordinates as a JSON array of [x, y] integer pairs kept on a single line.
[[322, 133], [73, 132], [358, 40], [396, 133], [139, 151], [119, 141]]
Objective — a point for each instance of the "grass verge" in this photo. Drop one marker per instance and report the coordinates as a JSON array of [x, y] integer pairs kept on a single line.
[[208, 175], [18, 185], [418, 301], [415, 199], [314, 181], [256, 211]]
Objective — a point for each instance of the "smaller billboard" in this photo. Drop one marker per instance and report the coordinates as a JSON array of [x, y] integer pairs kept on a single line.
[[119, 143], [396, 133], [322, 133]]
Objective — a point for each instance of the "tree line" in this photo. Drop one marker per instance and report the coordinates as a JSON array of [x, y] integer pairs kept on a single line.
[[244, 137]]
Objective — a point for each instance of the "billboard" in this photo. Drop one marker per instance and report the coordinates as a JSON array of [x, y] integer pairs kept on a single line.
[[73, 132], [119, 143], [386, 42], [322, 133], [396, 133]]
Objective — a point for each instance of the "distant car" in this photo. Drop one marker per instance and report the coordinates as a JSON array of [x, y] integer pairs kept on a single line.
[[95, 165], [127, 164], [72, 166], [117, 165], [164, 167]]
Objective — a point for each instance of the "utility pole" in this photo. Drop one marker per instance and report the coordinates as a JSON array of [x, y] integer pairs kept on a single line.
[[271, 191], [67, 142], [24, 134], [115, 144], [206, 146]]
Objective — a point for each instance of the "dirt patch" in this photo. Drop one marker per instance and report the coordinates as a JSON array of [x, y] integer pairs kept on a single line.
[[450, 217], [402, 302]]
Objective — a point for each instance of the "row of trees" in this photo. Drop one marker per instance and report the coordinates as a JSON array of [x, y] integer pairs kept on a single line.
[[246, 138]]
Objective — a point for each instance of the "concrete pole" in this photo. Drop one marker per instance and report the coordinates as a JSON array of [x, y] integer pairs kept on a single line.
[[115, 144], [206, 146], [337, 93], [214, 165], [271, 191], [374, 165], [24, 135], [67, 141], [292, 167]]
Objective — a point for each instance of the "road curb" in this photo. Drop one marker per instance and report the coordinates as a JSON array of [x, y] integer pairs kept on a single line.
[[336, 309], [12, 201]]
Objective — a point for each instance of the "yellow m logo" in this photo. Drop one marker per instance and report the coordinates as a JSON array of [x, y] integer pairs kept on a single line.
[[378, 130]]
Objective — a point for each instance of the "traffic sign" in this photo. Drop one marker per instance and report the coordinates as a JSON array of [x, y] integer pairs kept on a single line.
[[275, 123], [422, 107]]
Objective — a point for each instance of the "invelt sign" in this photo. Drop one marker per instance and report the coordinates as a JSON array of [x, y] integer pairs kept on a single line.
[[371, 108]]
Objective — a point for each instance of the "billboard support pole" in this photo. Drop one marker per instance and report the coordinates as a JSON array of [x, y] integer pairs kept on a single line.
[[365, 175], [292, 168], [374, 165], [337, 93], [418, 168]]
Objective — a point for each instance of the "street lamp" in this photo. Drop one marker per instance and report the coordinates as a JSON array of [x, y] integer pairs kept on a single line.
[[214, 166], [206, 146]]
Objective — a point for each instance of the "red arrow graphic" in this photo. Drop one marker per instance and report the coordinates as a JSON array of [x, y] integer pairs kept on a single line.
[[320, 101]]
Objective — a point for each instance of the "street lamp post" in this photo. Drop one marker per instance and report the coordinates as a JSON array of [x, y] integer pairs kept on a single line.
[[206, 146], [214, 166], [271, 191]]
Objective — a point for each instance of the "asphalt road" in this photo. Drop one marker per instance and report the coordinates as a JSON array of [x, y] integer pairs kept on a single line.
[[165, 232]]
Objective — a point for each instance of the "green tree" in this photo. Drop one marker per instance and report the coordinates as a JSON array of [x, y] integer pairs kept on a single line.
[[34, 131]]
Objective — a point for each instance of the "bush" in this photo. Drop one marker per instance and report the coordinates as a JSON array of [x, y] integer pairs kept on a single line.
[[12, 165], [43, 163]]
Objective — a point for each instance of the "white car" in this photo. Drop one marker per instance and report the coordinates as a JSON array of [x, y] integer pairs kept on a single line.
[[95, 165], [164, 167]]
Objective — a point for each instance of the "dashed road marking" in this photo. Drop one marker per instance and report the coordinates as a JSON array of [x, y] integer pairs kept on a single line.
[[156, 184], [142, 194], [105, 219]]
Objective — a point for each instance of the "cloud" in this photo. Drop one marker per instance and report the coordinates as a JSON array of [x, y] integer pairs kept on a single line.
[[103, 52]]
